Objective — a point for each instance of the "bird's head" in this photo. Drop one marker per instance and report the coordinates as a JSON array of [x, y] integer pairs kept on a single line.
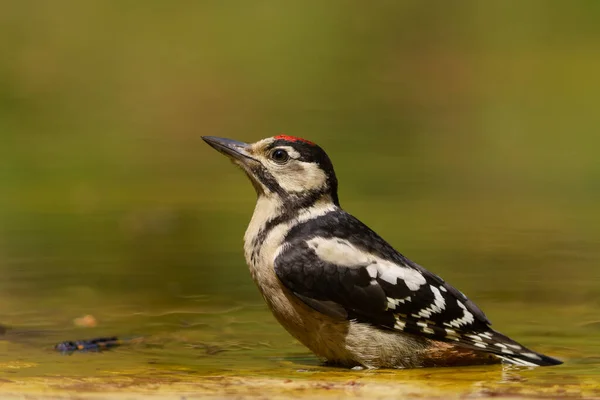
[[290, 169]]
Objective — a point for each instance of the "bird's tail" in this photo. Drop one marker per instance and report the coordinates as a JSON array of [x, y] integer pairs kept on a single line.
[[514, 353]]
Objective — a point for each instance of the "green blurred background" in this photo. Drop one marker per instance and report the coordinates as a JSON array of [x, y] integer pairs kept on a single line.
[[465, 133]]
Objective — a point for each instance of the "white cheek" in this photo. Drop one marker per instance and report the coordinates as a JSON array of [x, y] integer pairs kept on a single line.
[[306, 177]]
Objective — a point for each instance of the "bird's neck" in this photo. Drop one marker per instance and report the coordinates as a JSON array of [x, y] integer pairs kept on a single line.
[[271, 221]]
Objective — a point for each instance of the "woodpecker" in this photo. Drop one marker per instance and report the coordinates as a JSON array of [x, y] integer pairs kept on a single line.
[[338, 287]]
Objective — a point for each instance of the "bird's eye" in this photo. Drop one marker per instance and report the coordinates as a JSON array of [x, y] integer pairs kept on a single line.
[[280, 156]]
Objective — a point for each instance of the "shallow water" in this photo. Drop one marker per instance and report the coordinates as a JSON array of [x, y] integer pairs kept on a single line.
[[199, 338], [196, 321]]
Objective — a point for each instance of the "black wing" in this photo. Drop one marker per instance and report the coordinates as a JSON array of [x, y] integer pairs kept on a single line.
[[340, 267]]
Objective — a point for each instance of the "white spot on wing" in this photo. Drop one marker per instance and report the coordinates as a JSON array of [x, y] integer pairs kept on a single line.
[[485, 335], [372, 270], [391, 303], [439, 304], [466, 319], [391, 273], [475, 337], [399, 324], [532, 355]]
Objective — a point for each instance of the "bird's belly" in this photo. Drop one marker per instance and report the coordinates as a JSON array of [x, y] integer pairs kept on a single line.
[[323, 335]]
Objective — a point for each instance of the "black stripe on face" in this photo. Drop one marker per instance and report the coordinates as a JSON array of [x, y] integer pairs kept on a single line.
[[260, 173]]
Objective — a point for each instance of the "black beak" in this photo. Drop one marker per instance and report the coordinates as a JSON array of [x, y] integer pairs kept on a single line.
[[231, 148]]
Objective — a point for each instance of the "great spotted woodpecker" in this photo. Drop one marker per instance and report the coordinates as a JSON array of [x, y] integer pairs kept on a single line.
[[337, 286]]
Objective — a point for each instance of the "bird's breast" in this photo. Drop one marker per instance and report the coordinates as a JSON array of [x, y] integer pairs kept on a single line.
[[260, 250]]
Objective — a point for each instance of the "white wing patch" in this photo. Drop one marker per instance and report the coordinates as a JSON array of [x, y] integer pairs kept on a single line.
[[342, 252], [339, 252]]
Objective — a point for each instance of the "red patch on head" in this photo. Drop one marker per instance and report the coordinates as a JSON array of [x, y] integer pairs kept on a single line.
[[293, 139]]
